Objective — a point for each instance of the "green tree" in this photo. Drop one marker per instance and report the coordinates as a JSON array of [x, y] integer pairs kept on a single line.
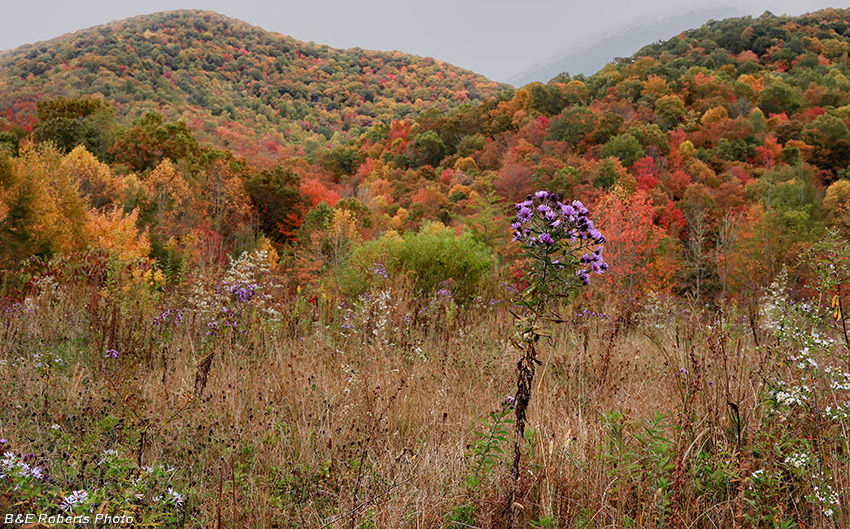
[[625, 147], [432, 257], [68, 122], [429, 149], [277, 198], [572, 125], [150, 140], [831, 141], [778, 97], [670, 110]]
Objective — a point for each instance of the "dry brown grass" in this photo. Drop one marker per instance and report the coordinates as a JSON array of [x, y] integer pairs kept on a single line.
[[299, 425]]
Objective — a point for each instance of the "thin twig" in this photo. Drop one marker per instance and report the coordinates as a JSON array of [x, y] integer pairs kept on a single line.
[[373, 498]]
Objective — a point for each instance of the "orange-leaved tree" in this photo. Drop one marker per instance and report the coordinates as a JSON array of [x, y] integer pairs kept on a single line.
[[116, 232]]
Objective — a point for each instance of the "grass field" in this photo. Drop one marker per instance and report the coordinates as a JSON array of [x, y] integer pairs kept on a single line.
[[195, 407]]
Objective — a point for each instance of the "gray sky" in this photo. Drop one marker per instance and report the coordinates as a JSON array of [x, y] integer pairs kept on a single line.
[[497, 38]]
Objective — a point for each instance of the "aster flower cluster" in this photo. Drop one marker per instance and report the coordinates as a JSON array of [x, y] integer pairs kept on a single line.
[[10, 463], [226, 318], [379, 270], [563, 248], [172, 315], [242, 291], [171, 496], [560, 236]]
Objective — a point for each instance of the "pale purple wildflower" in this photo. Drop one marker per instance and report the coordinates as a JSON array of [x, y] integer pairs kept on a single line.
[[379, 270], [75, 498]]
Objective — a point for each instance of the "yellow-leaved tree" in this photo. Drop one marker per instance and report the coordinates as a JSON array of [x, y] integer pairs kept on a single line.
[[42, 212], [171, 208], [93, 178]]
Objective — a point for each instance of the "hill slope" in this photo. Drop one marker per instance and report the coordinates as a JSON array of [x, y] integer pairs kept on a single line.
[[211, 70]]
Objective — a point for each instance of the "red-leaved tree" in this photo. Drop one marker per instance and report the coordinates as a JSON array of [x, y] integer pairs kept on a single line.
[[637, 249]]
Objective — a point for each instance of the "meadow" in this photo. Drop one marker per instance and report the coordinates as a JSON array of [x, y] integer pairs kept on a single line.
[[232, 402]]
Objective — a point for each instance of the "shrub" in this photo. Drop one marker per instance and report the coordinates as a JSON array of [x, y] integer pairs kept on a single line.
[[434, 257]]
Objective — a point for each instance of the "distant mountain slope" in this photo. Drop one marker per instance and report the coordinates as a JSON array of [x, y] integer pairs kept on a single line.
[[594, 55], [212, 70], [775, 40]]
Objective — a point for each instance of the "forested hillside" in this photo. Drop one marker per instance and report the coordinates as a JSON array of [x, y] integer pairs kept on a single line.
[[229, 81]]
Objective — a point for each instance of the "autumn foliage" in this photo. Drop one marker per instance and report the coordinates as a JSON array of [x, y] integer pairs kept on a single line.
[[723, 147]]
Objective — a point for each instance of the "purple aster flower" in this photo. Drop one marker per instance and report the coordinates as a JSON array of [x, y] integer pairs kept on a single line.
[[444, 293], [546, 239], [524, 214], [542, 195], [543, 208], [379, 270], [242, 292]]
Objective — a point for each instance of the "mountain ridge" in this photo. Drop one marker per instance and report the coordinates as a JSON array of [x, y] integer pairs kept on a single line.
[[200, 65]]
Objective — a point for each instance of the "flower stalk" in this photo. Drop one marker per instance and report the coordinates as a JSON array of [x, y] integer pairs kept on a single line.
[[564, 249]]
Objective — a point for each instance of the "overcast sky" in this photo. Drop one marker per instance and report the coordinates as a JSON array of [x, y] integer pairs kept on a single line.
[[497, 38]]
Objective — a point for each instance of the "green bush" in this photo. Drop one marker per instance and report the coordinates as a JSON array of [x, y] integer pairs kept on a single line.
[[429, 258]]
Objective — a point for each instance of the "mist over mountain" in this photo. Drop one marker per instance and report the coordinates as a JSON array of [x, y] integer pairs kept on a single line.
[[595, 54]]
